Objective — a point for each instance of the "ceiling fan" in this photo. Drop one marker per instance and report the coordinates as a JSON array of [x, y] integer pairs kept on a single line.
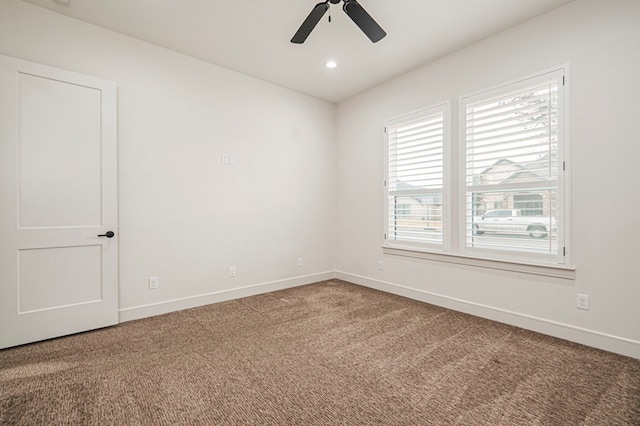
[[352, 8]]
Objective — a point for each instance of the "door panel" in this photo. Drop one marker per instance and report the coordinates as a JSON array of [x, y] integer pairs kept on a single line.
[[55, 277], [59, 153], [58, 189]]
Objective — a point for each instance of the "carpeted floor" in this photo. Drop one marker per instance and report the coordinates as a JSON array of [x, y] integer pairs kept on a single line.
[[330, 353]]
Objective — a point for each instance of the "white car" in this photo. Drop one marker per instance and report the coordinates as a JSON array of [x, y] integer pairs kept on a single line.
[[511, 221]]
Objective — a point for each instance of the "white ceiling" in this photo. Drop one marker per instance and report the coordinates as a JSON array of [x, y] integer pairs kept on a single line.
[[252, 36]]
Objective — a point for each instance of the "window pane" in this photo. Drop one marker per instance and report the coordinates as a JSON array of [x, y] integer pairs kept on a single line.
[[513, 139], [416, 218], [415, 177], [526, 221], [416, 154]]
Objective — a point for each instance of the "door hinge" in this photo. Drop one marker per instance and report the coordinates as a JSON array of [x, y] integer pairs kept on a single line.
[[564, 251], [564, 166], [385, 236], [564, 80]]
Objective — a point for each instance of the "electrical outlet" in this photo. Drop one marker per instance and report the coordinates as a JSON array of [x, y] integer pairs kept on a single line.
[[300, 263], [380, 265], [232, 271], [582, 301], [154, 283]]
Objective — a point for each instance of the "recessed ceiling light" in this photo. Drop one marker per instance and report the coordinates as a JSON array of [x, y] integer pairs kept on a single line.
[[331, 64]]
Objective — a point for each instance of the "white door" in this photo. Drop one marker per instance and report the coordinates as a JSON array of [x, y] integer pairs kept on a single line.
[[58, 194]]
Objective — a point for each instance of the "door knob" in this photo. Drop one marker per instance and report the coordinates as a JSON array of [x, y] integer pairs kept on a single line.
[[109, 234]]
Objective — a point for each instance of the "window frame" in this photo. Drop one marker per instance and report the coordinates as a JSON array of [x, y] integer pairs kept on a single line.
[[453, 249], [445, 109], [562, 258]]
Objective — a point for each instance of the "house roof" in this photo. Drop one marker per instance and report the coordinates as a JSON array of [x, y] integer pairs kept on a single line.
[[538, 169], [423, 199]]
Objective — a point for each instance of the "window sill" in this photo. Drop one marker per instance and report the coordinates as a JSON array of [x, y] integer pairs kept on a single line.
[[547, 271]]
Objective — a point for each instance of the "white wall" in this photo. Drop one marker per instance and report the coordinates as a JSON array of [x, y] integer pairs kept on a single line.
[[184, 216], [600, 40]]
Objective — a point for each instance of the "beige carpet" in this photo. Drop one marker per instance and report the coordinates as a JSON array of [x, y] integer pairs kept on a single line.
[[330, 353]]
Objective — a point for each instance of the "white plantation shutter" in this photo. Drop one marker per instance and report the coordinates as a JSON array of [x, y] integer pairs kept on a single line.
[[415, 178], [512, 161], [497, 195]]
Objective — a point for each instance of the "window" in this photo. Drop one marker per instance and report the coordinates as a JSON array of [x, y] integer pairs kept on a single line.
[[512, 139], [415, 178], [529, 205], [403, 210], [510, 201]]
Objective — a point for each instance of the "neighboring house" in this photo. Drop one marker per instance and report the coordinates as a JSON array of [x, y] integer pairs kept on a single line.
[[504, 171], [418, 210], [424, 212]]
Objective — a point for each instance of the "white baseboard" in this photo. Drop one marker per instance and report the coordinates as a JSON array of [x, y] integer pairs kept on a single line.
[[153, 309], [569, 332]]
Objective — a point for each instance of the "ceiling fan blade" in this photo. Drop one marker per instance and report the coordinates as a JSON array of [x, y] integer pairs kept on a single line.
[[363, 20], [310, 23]]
